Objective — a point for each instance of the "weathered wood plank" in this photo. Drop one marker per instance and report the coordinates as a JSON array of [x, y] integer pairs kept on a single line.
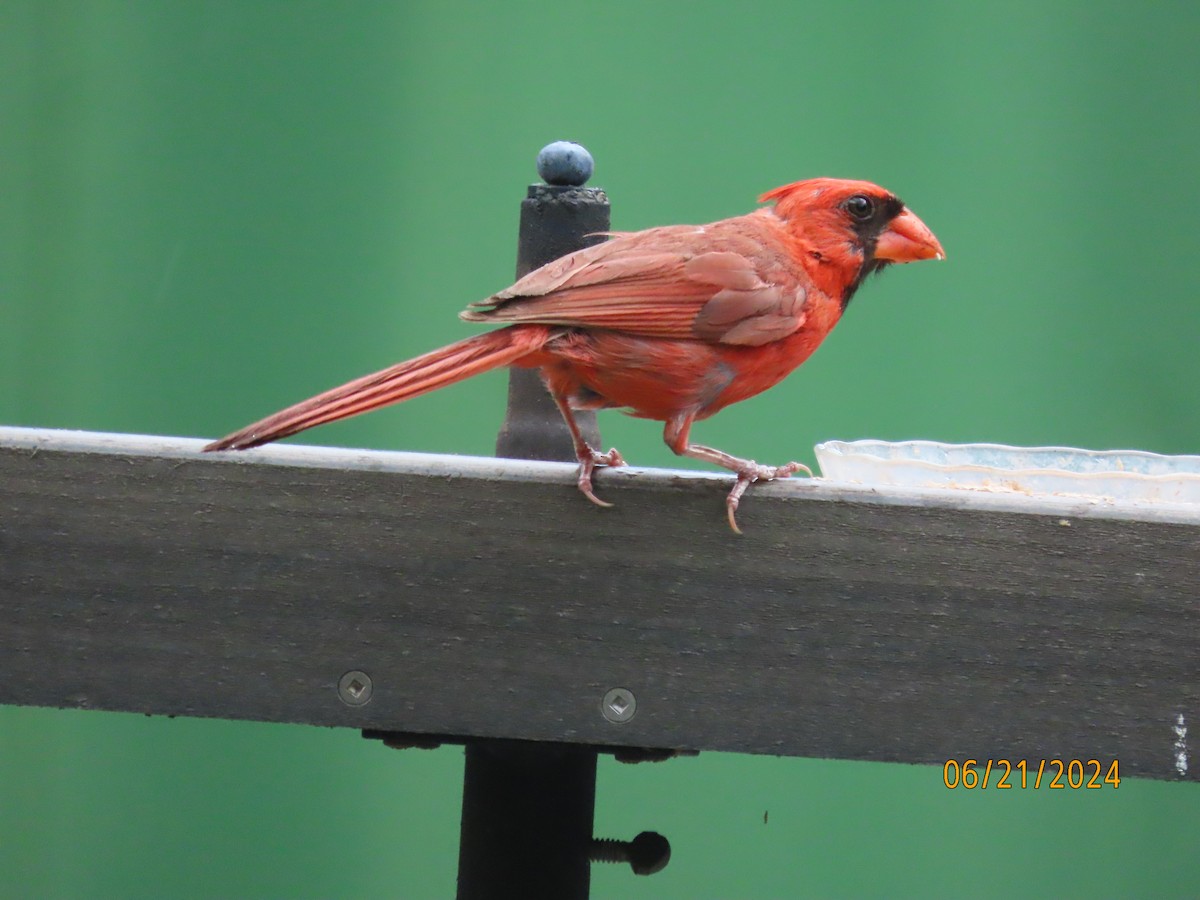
[[485, 598]]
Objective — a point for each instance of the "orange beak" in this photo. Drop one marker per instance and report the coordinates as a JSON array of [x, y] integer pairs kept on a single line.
[[908, 239]]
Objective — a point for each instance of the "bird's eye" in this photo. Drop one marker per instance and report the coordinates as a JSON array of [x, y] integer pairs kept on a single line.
[[860, 207]]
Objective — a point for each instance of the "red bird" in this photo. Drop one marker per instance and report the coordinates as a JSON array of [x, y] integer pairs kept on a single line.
[[671, 323]]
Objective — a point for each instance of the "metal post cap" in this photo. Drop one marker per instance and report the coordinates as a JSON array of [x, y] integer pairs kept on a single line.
[[565, 163]]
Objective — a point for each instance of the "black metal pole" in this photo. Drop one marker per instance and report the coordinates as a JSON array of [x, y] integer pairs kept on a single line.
[[528, 806], [555, 220], [526, 821]]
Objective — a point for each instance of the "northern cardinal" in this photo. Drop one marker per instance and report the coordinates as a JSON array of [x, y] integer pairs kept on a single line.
[[671, 323]]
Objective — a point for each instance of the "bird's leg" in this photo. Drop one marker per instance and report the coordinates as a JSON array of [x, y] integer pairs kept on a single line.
[[747, 470], [588, 458]]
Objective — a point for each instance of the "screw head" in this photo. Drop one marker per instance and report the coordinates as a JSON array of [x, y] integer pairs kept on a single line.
[[565, 163], [618, 705], [355, 687], [649, 852]]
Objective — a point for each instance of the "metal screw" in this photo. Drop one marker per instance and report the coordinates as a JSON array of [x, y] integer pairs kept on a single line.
[[619, 705], [355, 688], [646, 854]]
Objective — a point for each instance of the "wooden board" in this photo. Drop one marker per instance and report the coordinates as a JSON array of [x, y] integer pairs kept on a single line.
[[487, 598]]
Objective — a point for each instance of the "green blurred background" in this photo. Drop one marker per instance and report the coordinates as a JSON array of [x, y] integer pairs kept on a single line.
[[212, 209]]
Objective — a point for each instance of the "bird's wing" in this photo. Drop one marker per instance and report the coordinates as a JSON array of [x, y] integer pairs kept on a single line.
[[714, 284]]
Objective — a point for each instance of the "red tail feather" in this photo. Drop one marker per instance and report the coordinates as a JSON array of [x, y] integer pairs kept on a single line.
[[433, 370]]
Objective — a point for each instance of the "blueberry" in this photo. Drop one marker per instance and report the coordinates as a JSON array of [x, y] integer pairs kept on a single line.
[[564, 162]]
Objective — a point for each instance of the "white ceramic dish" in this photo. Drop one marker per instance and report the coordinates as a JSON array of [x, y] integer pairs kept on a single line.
[[1132, 475]]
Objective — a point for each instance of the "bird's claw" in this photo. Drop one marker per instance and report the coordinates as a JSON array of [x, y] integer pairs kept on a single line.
[[588, 460], [750, 473]]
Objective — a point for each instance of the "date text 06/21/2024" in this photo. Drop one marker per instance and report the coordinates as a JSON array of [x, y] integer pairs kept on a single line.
[[1055, 774]]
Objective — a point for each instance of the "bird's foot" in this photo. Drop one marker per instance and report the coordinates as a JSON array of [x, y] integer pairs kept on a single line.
[[588, 460], [751, 472]]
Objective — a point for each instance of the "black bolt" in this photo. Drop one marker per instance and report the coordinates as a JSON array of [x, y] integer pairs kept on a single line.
[[646, 854]]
